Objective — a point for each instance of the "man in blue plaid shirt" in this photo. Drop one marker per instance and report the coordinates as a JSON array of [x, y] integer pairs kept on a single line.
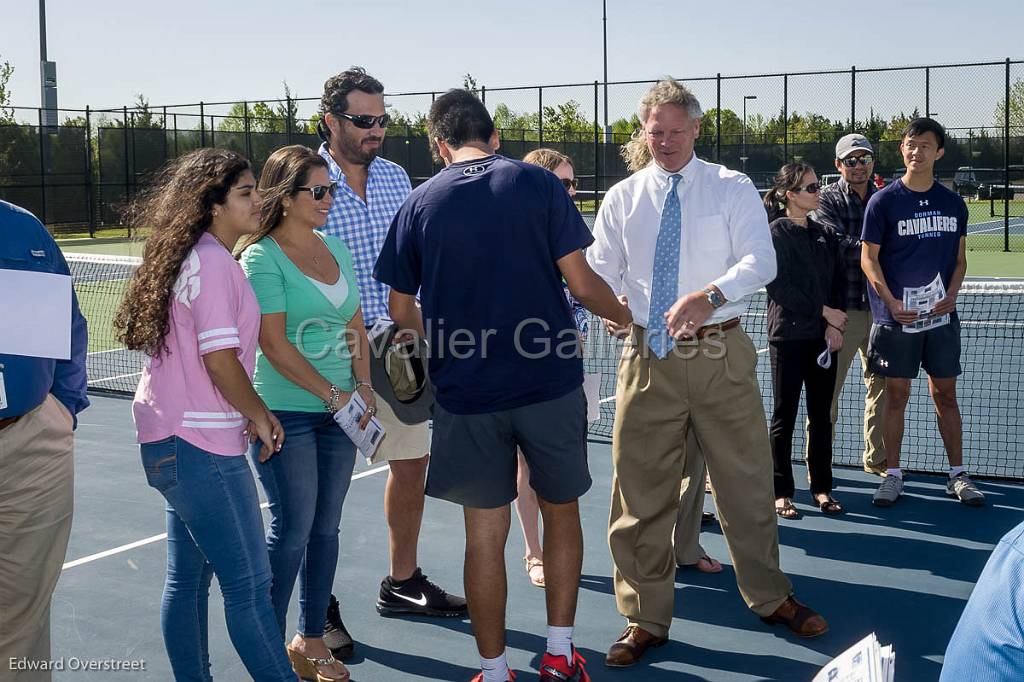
[[369, 192]]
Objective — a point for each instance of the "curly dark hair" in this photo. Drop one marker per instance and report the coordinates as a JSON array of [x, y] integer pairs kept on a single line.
[[336, 89], [176, 208]]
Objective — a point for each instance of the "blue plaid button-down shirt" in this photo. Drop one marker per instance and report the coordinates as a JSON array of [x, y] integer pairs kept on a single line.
[[364, 225]]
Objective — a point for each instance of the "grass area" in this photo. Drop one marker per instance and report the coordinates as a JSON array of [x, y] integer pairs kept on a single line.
[[99, 302], [981, 211], [83, 233], [998, 263], [104, 247]]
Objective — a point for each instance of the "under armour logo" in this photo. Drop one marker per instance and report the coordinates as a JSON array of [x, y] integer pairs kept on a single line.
[[922, 202], [474, 170], [883, 363]]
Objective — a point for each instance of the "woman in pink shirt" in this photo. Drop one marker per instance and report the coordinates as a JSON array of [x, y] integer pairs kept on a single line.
[[190, 308]]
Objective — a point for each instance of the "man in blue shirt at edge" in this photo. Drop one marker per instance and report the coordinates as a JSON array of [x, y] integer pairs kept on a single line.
[[915, 229], [486, 242], [39, 401], [988, 643]]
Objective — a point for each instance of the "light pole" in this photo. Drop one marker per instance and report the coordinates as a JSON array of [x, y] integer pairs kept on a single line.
[[47, 78], [604, 30], [743, 158]]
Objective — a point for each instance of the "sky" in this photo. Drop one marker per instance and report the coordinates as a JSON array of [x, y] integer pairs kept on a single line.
[[107, 51]]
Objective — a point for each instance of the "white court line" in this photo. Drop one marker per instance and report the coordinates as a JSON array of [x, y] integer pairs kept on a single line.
[[163, 536], [119, 376], [101, 352]]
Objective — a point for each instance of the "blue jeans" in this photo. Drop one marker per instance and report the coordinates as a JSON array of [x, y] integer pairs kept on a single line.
[[214, 525], [306, 483]]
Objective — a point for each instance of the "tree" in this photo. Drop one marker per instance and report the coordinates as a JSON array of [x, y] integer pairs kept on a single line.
[[1016, 107], [469, 83], [6, 112], [731, 123], [144, 118], [566, 123], [414, 125]]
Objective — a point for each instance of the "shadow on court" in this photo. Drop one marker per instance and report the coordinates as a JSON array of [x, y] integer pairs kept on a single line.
[[903, 572]]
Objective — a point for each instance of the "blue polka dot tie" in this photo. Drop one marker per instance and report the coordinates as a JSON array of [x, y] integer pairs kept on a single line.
[[665, 280]]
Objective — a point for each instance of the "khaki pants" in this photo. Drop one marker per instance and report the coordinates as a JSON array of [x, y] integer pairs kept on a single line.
[[855, 339], [36, 498], [686, 538], [713, 391]]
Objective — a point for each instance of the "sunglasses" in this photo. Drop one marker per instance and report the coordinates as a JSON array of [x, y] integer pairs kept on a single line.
[[365, 121], [320, 191], [810, 189], [570, 183], [852, 161]]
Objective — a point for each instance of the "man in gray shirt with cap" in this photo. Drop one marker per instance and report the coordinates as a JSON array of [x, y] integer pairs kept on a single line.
[[842, 210]]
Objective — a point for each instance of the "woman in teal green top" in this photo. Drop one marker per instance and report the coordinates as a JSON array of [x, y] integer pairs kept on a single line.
[[313, 355]]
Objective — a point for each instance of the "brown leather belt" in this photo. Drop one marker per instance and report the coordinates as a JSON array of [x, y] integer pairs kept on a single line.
[[719, 327], [8, 421]]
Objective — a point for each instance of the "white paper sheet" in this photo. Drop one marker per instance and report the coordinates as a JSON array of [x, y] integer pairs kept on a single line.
[[35, 314]]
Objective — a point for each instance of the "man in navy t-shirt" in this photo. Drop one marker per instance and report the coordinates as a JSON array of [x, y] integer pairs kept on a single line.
[[914, 232], [485, 244]]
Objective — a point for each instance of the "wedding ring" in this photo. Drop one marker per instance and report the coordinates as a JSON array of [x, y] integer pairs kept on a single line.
[[371, 410], [688, 323]]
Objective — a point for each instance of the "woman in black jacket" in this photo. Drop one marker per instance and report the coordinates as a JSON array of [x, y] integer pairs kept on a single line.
[[805, 329]]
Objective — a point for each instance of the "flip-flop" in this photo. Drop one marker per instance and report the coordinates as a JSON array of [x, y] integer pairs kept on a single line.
[[830, 506], [788, 511]]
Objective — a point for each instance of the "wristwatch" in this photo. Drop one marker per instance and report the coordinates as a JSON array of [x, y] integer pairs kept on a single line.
[[714, 298]]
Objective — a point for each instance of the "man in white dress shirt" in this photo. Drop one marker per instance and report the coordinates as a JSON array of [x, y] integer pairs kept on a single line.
[[686, 242]]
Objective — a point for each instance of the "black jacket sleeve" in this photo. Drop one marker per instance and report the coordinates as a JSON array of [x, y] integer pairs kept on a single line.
[[837, 296], [787, 291]]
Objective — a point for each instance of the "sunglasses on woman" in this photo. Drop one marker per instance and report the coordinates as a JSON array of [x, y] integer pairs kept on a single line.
[[319, 191], [365, 121], [852, 161], [570, 183], [810, 189]]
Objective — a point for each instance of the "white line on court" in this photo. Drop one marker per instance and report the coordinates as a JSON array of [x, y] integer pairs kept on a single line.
[[163, 536], [101, 352], [119, 376]]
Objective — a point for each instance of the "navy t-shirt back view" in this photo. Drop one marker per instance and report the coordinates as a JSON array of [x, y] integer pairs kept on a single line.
[[479, 243]]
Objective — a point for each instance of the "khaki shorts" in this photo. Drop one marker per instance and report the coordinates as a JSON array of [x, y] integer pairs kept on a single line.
[[402, 441]]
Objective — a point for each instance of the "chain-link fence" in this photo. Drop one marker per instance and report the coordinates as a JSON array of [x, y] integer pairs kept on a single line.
[[80, 174]]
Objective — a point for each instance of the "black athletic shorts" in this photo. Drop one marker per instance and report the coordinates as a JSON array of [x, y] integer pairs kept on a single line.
[[893, 352], [473, 460]]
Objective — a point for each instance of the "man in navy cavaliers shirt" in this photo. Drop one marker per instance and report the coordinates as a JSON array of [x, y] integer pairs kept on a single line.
[[914, 230]]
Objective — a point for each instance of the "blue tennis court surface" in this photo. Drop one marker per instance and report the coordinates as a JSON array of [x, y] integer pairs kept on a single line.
[[904, 573]]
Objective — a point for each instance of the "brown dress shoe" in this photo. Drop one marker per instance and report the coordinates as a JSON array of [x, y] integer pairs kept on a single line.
[[801, 620], [630, 646]]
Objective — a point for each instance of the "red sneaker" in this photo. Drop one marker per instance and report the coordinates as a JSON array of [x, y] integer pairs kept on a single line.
[[480, 677], [557, 669]]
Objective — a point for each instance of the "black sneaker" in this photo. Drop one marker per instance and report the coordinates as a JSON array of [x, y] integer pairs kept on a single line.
[[418, 596], [336, 636]]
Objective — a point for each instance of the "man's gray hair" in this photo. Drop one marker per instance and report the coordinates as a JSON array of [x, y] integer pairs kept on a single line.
[[669, 91]]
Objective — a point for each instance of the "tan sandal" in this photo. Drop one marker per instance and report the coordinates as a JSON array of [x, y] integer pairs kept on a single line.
[[309, 668], [532, 564]]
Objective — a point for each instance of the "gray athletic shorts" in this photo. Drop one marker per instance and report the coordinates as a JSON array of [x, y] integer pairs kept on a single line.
[[473, 460], [893, 352]]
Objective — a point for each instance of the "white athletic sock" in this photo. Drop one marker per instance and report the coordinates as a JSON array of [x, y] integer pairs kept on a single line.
[[897, 472], [495, 669], [560, 642], [955, 471]]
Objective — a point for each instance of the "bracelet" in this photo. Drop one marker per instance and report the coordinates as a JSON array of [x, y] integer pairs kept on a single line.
[[364, 383], [331, 404], [834, 327]]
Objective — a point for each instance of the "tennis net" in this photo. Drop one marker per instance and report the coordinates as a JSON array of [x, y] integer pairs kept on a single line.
[[992, 328]]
